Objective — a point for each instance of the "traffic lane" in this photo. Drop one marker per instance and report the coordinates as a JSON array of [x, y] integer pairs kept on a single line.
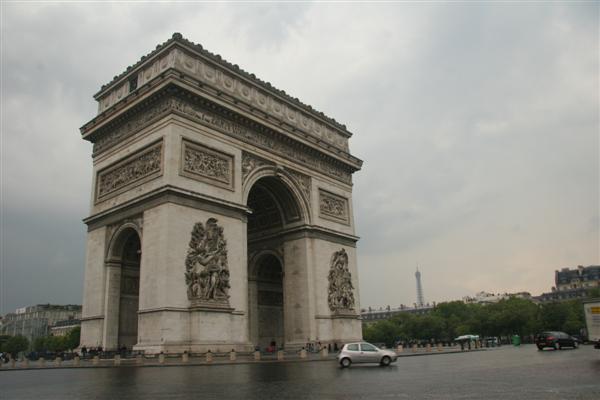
[[505, 373]]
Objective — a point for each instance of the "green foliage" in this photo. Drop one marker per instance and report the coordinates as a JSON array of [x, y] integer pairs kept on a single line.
[[594, 292], [58, 343], [72, 341], [3, 339], [505, 318], [15, 344]]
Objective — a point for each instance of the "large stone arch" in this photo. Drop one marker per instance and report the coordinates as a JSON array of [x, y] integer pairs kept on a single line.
[[286, 178]]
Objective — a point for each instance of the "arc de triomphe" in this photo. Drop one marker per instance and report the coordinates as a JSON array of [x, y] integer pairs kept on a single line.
[[221, 212]]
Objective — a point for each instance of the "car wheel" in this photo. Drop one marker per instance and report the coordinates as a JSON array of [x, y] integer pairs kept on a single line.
[[556, 346], [575, 345], [345, 363], [385, 361]]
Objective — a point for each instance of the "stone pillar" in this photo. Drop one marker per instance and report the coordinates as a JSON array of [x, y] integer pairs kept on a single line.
[[428, 347], [303, 353], [139, 359], [232, 355], [414, 348], [13, 362], [185, 358], [117, 360], [439, 347], [324, 352], [209, 357], [76, 361], [399, 349], [110, 337], [95, 360], [280, 355], [42, 362], [257, 356], [25, 363], [58, 361], [161, 358]]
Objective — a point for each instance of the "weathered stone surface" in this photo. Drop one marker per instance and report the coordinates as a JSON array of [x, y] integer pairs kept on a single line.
[[194, 193]]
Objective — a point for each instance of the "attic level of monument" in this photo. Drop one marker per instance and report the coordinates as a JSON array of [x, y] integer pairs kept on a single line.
[[226, 85], [174, 97]]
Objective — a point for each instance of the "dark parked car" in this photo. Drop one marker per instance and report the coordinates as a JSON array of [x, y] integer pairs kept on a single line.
[[556, 340]]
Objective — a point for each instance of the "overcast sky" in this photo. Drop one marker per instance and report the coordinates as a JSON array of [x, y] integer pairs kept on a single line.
[[478, 126]]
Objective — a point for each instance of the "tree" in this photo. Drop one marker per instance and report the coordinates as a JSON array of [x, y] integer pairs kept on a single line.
[[16, 344], [3, 339], [73, 335]]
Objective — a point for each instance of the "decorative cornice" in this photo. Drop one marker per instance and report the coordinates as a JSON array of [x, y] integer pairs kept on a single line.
[[216, 60], [173, 99], [162, 195]]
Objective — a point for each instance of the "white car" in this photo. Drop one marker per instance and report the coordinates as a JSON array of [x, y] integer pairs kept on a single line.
[[363, 352]]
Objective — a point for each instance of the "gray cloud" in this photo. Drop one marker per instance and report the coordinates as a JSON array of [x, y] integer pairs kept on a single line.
[[478, 125]]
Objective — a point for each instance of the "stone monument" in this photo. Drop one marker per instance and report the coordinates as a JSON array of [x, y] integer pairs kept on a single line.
[[221, 212]]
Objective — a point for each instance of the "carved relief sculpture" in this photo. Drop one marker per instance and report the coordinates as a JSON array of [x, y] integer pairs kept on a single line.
[[137, 168], [333, 207], [201, 163], [250, 163], [341, 290], [206, 269]]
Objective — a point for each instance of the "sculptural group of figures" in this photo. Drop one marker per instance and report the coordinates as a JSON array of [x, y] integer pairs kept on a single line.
[[341, 294], [207, 272]]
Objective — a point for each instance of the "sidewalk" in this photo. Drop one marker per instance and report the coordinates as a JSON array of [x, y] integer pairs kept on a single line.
[[177, 360]]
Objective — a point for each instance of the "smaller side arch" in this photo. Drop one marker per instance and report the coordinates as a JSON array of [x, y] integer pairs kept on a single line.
[[118, 239], [256, 259]]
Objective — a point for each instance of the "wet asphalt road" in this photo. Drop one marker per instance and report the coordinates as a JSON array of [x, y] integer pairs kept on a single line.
[[505, 373]]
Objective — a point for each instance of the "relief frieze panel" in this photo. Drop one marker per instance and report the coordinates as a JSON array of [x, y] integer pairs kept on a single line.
[[333, 207], [205, 164], [135, 169], [265, 140]]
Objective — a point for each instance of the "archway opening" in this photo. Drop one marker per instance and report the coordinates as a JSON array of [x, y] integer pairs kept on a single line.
[[269, 285], [130, 288], [275, 209]]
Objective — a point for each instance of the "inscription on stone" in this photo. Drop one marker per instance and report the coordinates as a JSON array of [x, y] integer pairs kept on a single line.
[[201, 163], [135, 169], [332, 206]]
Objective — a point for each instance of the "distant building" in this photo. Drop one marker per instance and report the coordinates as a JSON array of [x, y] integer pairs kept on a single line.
[[61, 328], [572, 283], [490, 298], [36, 321], [373, 315]]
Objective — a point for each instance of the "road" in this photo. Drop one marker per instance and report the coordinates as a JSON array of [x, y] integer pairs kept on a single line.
[[504, 373]]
